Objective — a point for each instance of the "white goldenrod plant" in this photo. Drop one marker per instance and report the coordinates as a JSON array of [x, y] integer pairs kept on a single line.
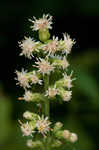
[[47, 81]]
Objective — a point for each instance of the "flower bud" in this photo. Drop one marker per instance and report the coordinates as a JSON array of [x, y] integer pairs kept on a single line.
[[62, 63], [33, 124], [66, 95], [73, 137], [59, 134], [30, 116], [57, 126], [66, 134], [29, 143], [34, 144], [44, 35]]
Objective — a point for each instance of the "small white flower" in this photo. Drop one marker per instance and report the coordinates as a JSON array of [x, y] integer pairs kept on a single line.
[[52, 92], [23, 79], [66, 134], [67, 96], [42, 23], [43, 125], [73, 137], [30, 143], [52, 47], [28, 47], [68, 80], [27, 129], [68, 43], [65, 63], [34, 79], [27, 96], [44, 66]]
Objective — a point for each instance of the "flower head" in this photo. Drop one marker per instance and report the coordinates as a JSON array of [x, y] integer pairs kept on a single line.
[[43, 125], [52, 47], [52, 92], [66, 134], [23, 79], [67, 96], [27, 96], [34, 78], [28, 47], [44, 66], [64, 63], [42, 23], [67, 43], [27, 129], [68, 81]]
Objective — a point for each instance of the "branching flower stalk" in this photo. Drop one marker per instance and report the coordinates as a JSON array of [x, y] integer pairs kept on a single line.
[[47, 81]]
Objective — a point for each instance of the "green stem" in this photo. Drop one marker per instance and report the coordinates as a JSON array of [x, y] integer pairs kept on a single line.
[[47, 105], [47, 108]]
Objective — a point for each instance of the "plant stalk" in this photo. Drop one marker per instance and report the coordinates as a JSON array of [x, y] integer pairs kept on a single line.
[[47, 105], [47, 108]]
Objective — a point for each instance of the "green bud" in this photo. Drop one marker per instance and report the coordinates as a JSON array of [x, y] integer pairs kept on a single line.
[[59, 83], [61, 91], [57, 126], [36, 97], [62, 45], [62, 83], [44, 35], [59, 134], [33, 124], [28, 115]]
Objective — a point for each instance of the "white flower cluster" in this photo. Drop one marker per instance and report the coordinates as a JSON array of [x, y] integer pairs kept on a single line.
[[68, 43], [72, 137], [28, 46], [52, 47], [42, 23], [25, 78], [47, 80], [40, 123]]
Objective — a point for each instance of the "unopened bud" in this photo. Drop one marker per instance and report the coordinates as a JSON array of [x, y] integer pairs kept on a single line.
[[73, 137], [44, 35], [66, 134], [34, 144], [30, 115], [57, 126]]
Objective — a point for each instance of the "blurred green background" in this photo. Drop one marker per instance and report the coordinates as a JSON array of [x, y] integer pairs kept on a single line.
[[80, 19]]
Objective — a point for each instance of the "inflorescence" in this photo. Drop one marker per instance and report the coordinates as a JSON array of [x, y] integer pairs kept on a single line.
[[49, 75]]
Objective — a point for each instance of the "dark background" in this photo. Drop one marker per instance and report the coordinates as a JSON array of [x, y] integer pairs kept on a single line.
[[80, 19]]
